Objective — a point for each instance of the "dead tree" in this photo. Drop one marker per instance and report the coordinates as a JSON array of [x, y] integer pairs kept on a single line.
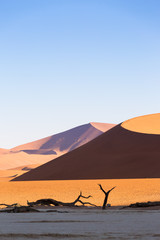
[[9, 206], [106, 195], [19, 209], [144, 204], [49, 201]]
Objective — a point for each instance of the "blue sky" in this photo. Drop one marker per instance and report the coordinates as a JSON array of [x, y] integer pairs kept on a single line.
[[64, 63]]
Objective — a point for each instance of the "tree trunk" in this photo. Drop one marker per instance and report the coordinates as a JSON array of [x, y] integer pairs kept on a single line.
[[106, 196]]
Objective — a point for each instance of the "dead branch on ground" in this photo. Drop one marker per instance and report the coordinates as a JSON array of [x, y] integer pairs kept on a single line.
[[9, 206], [144, 204], [19, 209], [53, 202]]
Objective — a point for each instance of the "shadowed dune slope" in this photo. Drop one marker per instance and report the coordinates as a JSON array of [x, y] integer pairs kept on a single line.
[[118, 153]]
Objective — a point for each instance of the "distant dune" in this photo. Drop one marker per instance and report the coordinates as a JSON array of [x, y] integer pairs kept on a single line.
[[7, 175], [3, 151], [13, 160], [118, 153], [66, 141], [103, 127], [25, 168], [43, 150]]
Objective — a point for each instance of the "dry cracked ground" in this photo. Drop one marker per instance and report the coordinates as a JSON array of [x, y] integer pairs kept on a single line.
[[81, 224]]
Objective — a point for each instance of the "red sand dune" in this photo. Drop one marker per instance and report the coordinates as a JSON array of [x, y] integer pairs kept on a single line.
[[149, 124], [43, 150], [118, 153]]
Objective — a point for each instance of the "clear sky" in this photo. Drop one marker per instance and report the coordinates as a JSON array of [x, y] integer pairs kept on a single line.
[[64, 63]]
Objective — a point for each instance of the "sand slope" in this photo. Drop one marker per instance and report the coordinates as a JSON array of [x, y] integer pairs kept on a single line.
[[3, 151], [149, 124], [118, 153], [43, 150], [13, 160]]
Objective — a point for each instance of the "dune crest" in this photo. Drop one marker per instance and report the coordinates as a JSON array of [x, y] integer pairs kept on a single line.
[[102, 126], [149, 124]]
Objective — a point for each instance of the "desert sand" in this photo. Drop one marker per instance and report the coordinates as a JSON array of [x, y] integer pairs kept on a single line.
[[2, 150], [149, 124], [46, 149], [103, 127], [6, 175], [9, 174], [126, 191], [14, 160], [117, 154], [74, 223]]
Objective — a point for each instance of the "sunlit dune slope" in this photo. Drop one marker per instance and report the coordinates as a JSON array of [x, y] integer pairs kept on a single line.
[[3, 151], [149, 124], [26, 167], [46, 149], [13, 160], [103, 127], [118, 153], [7, 175]]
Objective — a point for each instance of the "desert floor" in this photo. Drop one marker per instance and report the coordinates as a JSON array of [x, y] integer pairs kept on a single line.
[[126, 191], [81, 224]]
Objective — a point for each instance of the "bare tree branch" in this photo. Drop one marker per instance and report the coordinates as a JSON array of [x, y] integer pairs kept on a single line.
[[106, 195], [54, 202]]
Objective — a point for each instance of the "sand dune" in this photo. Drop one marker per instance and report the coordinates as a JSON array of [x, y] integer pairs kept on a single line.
[[103, 127], [118, 153], [46, 149], [13, 160], [149, 124], [25, 168], [65, 141], [3, 151], [7, 175]]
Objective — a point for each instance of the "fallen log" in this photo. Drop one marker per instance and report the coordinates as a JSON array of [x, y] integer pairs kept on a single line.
[[21, 209], [144, 204], [9, 206], [53, 202]]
